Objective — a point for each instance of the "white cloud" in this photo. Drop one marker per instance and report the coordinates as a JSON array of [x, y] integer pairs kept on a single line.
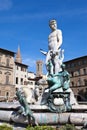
[[5, 4]]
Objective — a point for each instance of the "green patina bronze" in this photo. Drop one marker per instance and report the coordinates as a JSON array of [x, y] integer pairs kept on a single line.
[[55, 82], [24, 109], [62, 79]]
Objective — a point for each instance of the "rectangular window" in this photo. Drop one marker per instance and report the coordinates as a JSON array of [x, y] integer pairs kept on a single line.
[[72, 74], [78, 72], [85, 82], [7, 79], [22, 69], [0, 60], [17, 67], [7, 62], [79, 82], [16, 80], [21, 81]]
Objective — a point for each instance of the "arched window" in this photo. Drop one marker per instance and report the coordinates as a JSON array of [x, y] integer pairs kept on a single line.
[[84, 71], [7, 95]]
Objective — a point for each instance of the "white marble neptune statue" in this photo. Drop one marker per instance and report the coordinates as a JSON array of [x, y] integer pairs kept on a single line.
[[55, 54]]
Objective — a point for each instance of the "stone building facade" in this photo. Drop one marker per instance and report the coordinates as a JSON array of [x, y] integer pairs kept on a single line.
[[7, 86], [13, 74], [21, 71], [78, 74], [21, 74]]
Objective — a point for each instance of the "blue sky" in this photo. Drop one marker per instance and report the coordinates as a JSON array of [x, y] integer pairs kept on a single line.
[[25, 23]]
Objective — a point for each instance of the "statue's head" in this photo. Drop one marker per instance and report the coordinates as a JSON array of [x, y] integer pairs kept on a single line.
[[53, 21]]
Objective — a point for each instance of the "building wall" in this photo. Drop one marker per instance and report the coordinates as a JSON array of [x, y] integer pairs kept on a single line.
[[21, 75], [78, 74], [31, 83], [14, 74], [7, 88]]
